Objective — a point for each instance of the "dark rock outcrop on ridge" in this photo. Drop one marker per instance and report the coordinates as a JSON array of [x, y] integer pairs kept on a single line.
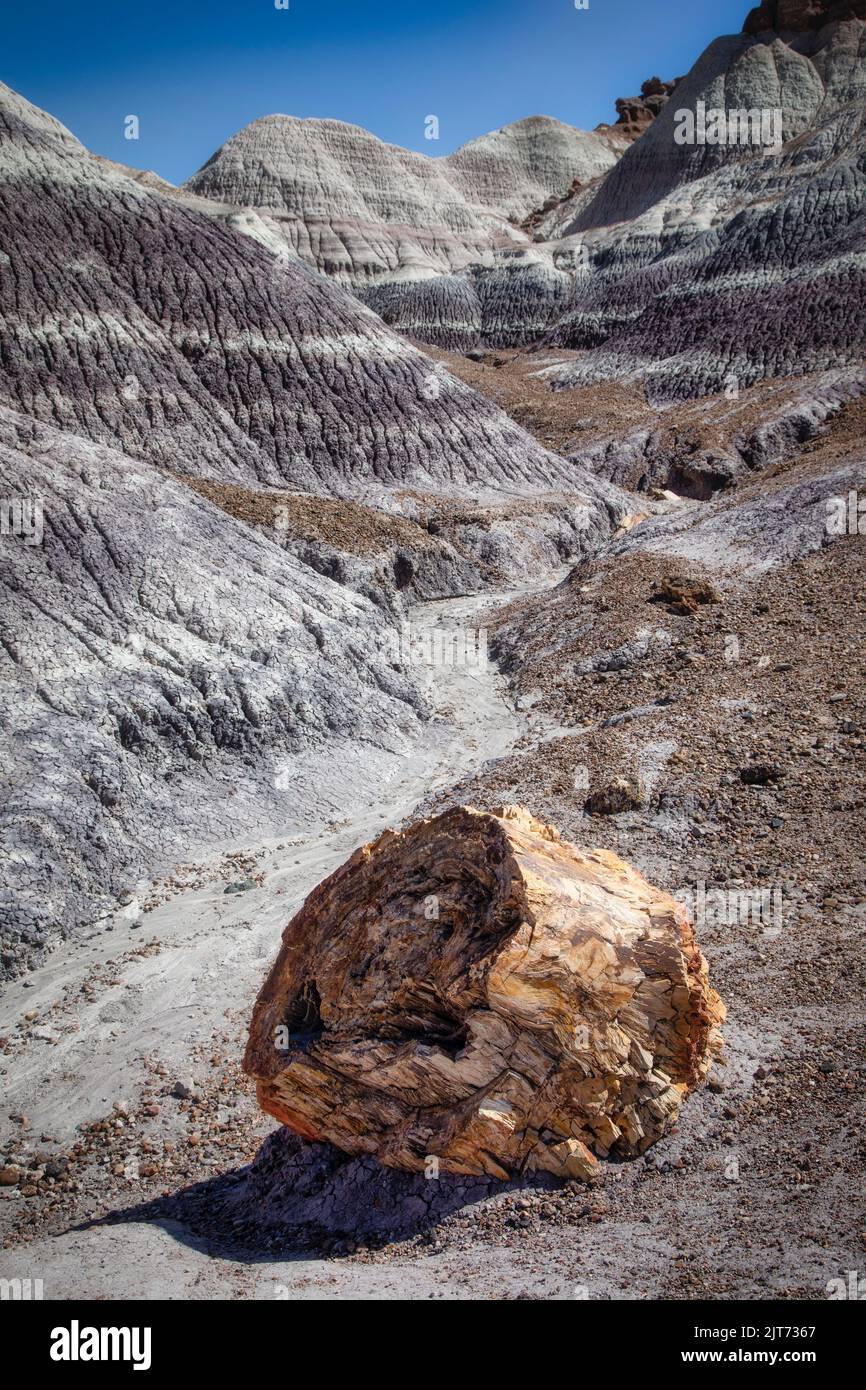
[[636, 114], [726, 264], [799, 15]]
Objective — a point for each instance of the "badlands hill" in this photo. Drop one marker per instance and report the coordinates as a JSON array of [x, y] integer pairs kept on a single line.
[[161, 655], [364, 211], [632, 250], [418, 238], [140, 322], [733, 261], [245, 481]]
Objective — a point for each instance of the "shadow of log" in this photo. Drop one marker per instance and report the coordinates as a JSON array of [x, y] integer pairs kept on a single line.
[[298, 1199]]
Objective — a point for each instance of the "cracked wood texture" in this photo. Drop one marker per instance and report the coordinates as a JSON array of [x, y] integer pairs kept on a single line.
[[477, 990]]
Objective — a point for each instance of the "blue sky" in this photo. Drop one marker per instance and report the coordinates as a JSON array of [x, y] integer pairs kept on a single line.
[[195, 71]]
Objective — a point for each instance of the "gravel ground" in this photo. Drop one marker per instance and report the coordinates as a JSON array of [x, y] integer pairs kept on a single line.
[[135, 1162]]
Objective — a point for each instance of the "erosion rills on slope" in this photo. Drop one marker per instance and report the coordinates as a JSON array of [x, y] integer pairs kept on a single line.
[[364, 211], [689, 260], [516, 294], [511, 302], [345, 202], [216, 945], [440, 248], [137, 320], [161, 342], [701, 447], [691, 263], [684, 262], [517, 169], [712, 262], [163, 665]]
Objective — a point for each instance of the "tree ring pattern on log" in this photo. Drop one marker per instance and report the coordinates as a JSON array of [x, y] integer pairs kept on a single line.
[[477, 990]]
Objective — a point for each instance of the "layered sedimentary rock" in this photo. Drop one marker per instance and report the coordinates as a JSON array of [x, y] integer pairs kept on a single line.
[[161, 662], [519, 168], [346, 202], [477, 991], [685, 242], [692, 258], [687, 261], [742, 259], [406, 232], [364, 211], [139, 321], [160, 656]]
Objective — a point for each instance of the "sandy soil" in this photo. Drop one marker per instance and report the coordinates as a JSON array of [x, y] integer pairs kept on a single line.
[[120, 1074], [100, 1035]]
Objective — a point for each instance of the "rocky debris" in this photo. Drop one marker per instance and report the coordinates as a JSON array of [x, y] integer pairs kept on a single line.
[[620, 794], [392, 558], [495, 1000], [747, 686], [760, 774], [693, 448], [424, 545], [532, 224], [684, 595], [137, 1149], [184, 1090]]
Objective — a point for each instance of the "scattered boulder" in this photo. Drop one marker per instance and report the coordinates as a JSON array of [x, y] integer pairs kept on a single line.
[[183, 1090], [620, 794], [684, 596], [759, 774], [476, 993]]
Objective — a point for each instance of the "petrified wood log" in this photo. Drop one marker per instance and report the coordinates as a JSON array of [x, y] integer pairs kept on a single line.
[[479, 991]]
